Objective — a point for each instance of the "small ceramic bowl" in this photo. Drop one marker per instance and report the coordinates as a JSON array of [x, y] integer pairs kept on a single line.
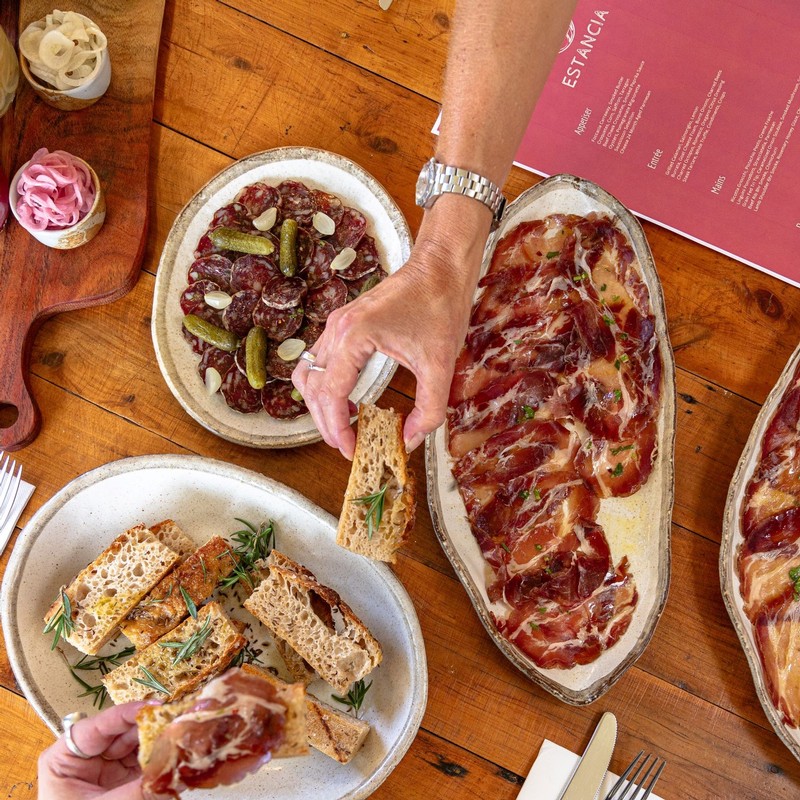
[[66, 238], [72, 99]]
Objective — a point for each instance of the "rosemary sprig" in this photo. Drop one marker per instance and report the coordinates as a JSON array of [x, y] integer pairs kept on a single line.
[[98, 693], [355, 697], [374, 504], [161, 599], [247, 655], [150, 681], [252, 544], [190, 605], [61, 622], [101, 662], [188, 648]]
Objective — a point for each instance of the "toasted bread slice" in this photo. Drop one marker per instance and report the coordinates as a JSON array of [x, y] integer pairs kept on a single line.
[[378, 529], [165, 606], [222, 642], [300, 670], [315, 622], [336, 734], [104, 593], [151, 720], [168, 532]]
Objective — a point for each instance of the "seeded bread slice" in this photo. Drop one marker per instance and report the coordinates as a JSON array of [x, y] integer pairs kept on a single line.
[[336, 734], [103, 594], [151, 720], [315, 622], [380, 464], [168, 532], [222, 643]]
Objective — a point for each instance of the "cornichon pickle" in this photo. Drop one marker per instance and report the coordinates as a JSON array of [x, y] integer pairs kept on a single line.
[[231, 239], [255, 352], [203, 329], [297, 397], [287, 256]]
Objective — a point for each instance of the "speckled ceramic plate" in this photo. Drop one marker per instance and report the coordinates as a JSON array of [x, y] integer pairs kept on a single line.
[[732, 537], [636, 526], [318, 169], [204, 496]]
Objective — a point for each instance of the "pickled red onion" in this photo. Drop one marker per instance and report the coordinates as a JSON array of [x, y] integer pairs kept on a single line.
[[55, 190]]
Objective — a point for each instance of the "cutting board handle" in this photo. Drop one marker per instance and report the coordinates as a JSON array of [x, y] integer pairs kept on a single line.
[[15, 390]]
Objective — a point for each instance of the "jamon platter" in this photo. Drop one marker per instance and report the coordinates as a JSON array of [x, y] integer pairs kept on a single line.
[[733, 537], [635, 526]]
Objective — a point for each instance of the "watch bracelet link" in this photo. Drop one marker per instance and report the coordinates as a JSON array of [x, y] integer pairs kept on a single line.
[[470, 184]]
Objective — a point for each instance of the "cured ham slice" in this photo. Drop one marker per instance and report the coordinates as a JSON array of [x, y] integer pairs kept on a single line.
[[553, 406]]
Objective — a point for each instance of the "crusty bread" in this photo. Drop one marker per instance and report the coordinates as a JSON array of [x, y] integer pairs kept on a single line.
[[168, 532], [151, 720], [222, 643], [298, 667], [315, 622], [380, 460], [165, 607], [336, 734], [103, 594]]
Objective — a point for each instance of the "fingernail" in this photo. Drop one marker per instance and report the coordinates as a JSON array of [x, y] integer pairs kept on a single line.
[[414, 442]]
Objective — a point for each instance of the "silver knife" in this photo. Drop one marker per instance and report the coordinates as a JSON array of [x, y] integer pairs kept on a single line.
[[588, 776]]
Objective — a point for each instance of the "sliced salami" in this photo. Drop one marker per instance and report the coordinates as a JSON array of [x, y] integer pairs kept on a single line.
[[215, 268], [240, 356], [277, 367], [278, 401], [233, 216], [239, 394], [193, 299], [350, 229], [238, 316], [310, 332], [296, 202], [366, 260], [278, 324], [284, 293], [364, 283], [257, 198], [214, 357], [328, 204], [317, 263], [326, 299], [198, 345], [252, 272], [205, 247]]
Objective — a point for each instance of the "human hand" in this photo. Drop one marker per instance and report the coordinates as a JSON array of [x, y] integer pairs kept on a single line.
[[112, 772], [417, 316]]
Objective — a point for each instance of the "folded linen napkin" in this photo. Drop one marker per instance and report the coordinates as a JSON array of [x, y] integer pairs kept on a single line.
[[23, 495], [551, 772]]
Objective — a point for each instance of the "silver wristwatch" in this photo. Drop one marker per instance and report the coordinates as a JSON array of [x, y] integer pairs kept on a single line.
[[435, 179]]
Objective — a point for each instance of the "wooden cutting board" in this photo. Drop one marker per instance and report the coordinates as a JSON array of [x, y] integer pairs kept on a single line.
[[113, 135]]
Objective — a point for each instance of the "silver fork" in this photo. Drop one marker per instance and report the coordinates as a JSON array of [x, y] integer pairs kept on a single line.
[[642, 786], [9, 486]]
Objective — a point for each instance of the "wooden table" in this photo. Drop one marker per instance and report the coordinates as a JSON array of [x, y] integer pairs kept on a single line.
[[242, 76]]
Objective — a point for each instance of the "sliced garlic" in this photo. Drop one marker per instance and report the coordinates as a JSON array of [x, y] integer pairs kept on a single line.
[[290, 349], [263, 222], [344, 259], [323, 223], [218, 300], [213, 380]]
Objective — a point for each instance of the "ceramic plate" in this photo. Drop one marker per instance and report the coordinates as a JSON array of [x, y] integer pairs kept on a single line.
[[731, 539], [318, 169], [636, 526], [204, 496]]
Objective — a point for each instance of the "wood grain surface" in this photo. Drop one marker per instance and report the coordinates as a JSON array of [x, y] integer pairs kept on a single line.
[[113, 135], [242, 76]]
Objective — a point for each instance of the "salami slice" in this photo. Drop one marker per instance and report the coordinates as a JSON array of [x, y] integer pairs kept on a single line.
[[238, 316], [198, 345], [193, 300], [252, 272], [233, 216], [277, 367], [279, 324], [365, 261], [205, 247], [239, 394], [326, 299], [296, 202], [350, 229], [364, 283], [284, 293], [257, 198], [215, 268], [214, 357], [310, 332], [240, 357], [278, 401], [317, 263], [328, 204]]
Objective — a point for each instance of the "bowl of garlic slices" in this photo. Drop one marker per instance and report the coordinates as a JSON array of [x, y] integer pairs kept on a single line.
[[64, 57]]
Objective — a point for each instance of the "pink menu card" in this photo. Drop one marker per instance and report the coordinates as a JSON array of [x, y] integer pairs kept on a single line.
[[688, 112]]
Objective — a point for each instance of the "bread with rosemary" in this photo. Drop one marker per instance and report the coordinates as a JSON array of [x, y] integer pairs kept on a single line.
[[104, 593], [316, 623], [169, 532], [180, 661], [380, 502]]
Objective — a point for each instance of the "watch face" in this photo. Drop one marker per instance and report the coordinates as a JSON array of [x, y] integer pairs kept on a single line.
[[425, 183]]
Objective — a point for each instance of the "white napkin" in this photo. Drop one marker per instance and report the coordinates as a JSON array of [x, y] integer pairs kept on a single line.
[[23, 495], [551, 772]]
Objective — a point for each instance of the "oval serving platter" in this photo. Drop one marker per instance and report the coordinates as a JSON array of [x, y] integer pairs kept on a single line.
[[204, 497], [318, 169], [636, 526], [732, 537]]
